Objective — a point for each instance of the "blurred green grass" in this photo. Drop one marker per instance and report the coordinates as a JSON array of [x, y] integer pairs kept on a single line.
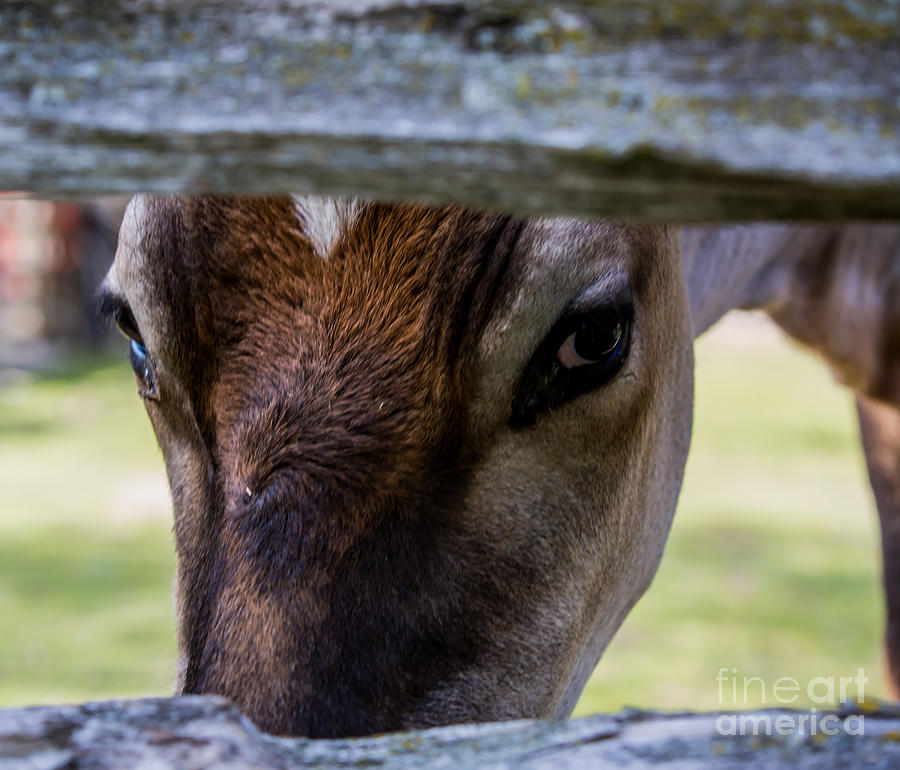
[[86, 554], [772, 567]]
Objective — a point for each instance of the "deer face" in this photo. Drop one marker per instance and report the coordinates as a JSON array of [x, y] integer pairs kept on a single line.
[[422, 460]]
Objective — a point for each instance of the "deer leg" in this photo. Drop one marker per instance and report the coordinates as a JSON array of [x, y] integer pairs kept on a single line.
[[879, 425]]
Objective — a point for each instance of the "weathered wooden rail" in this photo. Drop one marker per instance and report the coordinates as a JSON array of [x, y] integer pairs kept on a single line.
[[197, 733], [683, 110]]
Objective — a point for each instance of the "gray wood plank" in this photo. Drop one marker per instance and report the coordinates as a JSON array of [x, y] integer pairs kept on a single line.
[[684, 110], [201, 732]]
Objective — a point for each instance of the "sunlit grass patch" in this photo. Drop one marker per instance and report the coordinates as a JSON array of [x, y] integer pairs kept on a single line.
[[86, 554]]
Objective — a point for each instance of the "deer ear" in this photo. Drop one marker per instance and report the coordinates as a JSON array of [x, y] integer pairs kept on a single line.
[[723, 267], [830, 287]]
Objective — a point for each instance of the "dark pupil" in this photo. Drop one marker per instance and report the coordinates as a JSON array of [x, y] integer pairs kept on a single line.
[[597, 336]]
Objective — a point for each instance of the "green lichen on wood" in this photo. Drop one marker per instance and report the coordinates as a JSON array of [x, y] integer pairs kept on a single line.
[[197, 732], [763, 99]]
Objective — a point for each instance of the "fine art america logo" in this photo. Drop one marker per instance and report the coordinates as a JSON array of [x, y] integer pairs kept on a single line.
[[734, 690]]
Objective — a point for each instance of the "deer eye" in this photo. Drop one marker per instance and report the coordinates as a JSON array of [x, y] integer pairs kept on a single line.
[[137, 353], [143, 370], [581, 353], [597, 339]]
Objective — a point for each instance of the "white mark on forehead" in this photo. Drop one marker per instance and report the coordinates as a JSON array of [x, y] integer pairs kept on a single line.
[[325, 220]]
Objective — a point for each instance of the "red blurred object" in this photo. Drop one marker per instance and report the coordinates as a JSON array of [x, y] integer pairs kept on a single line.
[[52, 255]]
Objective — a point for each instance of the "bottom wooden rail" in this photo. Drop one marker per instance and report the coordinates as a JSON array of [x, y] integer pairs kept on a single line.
[[201, 732]]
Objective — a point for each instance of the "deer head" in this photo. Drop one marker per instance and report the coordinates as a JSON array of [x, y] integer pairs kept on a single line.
[[422, 460]]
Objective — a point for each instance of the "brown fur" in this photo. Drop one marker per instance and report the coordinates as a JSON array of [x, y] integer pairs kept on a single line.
[[365, 543], [367, 540]]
